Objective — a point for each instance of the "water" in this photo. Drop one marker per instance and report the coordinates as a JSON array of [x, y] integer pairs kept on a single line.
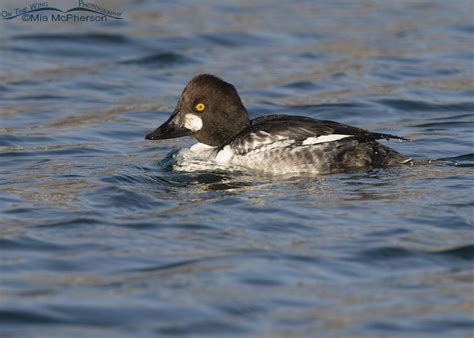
[[99, 237]]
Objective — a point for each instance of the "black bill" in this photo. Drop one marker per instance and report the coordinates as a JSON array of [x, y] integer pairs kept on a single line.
[[172, 128]]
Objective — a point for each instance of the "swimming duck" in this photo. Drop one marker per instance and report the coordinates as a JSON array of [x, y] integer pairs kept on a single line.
[[211, 111]]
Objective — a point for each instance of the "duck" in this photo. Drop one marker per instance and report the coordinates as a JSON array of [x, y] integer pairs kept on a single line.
[[211, 111]]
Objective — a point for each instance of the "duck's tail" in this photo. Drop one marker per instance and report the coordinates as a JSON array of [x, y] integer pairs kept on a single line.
[[384, 156], [412, 162]]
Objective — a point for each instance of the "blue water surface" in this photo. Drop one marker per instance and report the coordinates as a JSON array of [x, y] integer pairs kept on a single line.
[[99, 237]]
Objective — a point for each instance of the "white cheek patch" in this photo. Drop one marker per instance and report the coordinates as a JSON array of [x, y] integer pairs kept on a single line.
[[324, 138], [192, 122]]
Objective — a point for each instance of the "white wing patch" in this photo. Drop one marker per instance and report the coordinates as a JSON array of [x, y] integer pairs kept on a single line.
[[324, 138], [192, 122]]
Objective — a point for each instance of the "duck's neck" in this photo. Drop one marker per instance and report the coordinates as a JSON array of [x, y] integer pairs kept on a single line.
[[223, 128]]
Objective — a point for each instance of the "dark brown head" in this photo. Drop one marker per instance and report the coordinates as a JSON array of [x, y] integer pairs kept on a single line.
[[209, 109]]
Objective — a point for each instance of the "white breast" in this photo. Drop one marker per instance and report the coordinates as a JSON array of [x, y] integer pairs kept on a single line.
[[225, 155], [200, 148], [202, 157]]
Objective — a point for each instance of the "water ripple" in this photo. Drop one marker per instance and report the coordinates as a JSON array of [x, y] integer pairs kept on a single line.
[[165, 59], [101, 237]]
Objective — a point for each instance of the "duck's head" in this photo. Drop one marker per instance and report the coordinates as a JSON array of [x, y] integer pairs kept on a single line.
[[209, 109]]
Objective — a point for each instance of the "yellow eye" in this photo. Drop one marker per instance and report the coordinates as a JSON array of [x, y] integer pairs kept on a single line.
[[200, 107]]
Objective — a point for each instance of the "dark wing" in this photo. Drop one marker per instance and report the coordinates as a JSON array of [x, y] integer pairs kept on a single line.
[[302, 127], [266, 130]]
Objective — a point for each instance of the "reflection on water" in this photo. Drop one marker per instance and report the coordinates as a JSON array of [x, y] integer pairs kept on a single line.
[[100, 237]]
